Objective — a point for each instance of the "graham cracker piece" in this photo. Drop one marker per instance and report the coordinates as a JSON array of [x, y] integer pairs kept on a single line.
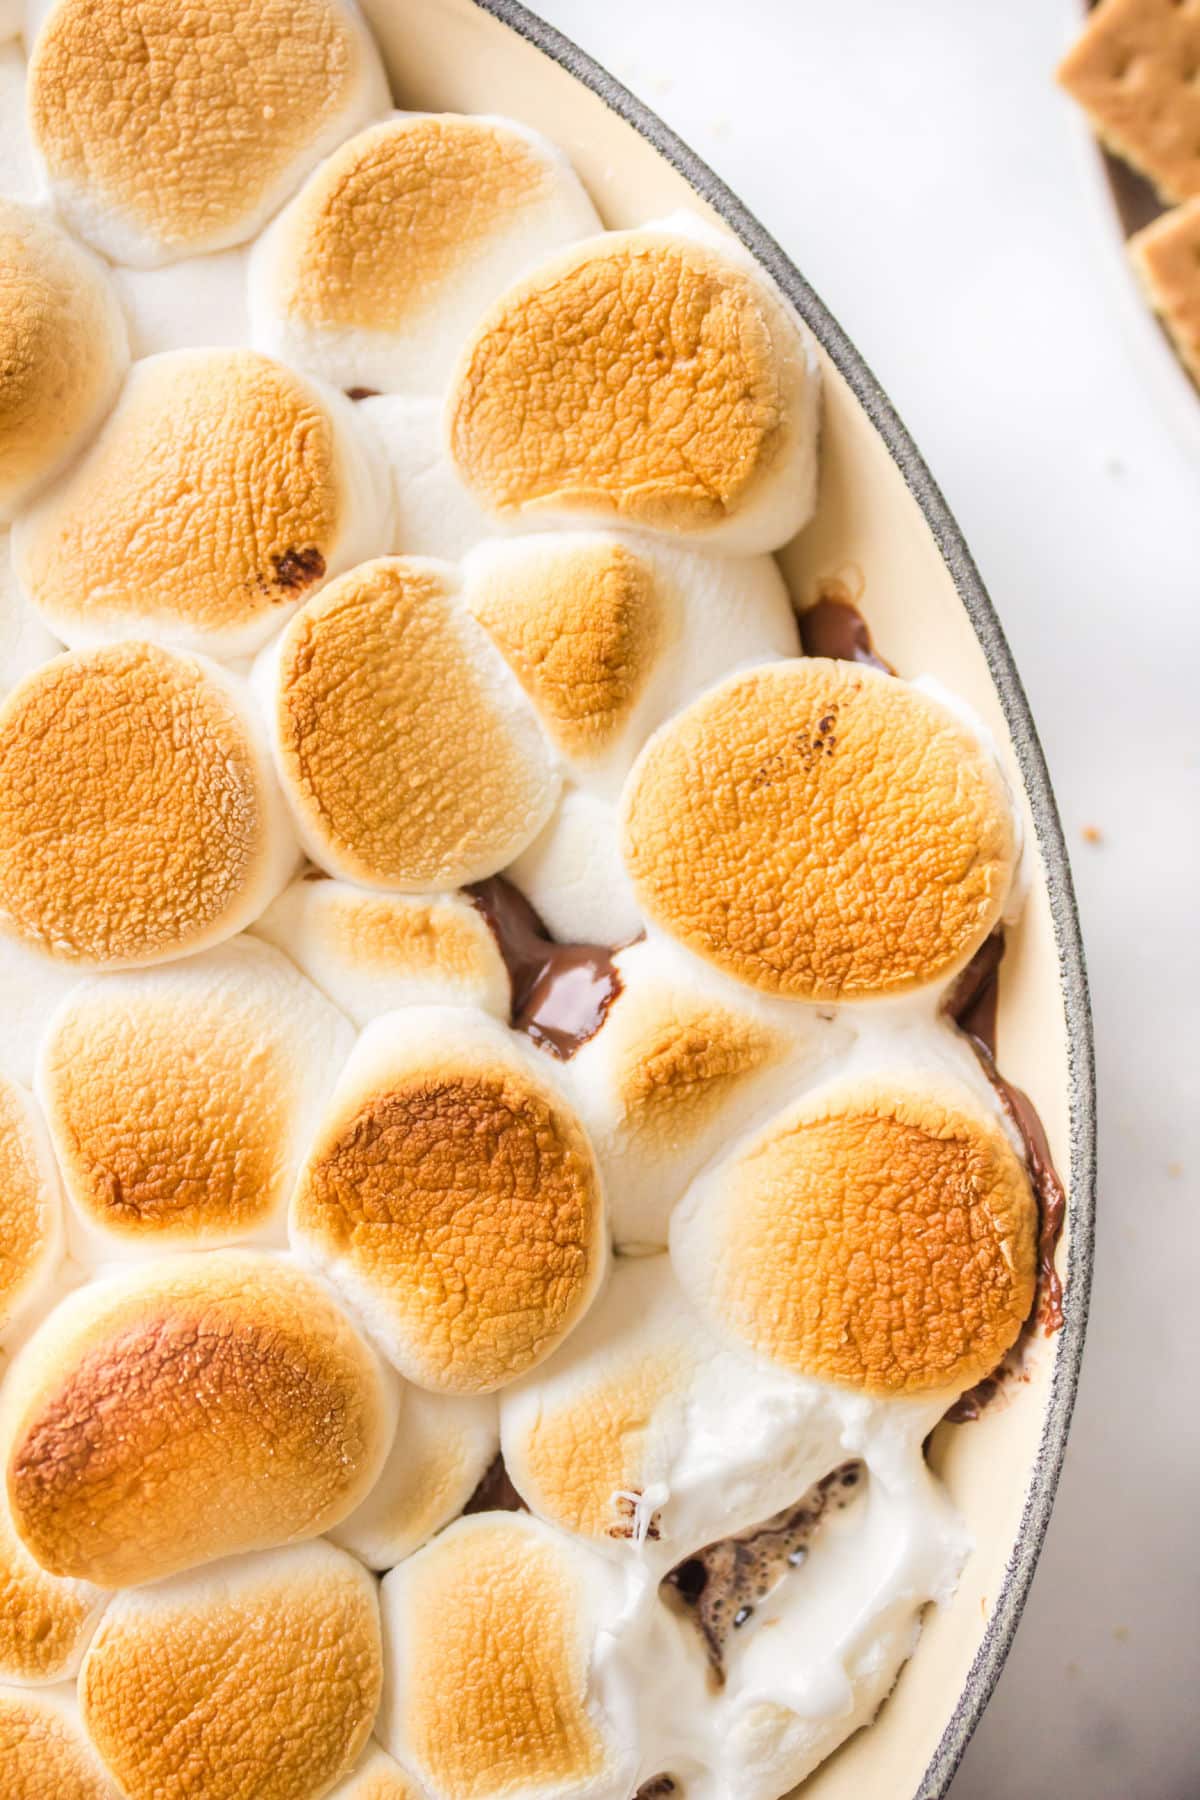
[[1167, 257], [1135, 69]]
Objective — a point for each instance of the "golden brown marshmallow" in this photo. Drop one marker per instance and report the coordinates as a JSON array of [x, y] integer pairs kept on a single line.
[[408, 762], [180, 1099], [452, 1196], [179, 127], [194, 1407], [139, 818], [491, 1688], [254, 1680], [878, 1235], [222, 490], [651, 378], [63, 349], [850, 837], [45, 1753]]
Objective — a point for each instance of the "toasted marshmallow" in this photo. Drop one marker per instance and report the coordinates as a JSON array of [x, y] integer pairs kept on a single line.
[[652, 378], [24, 641], [609, 634], [682, 1064], [45, 1753], [20, 178], [452, 1197], [139, 814], [377, 1777], [647, 1436], [223, 489], [877, 1234], [572, 874], [63, 350], [502, 1674], [181, 1099], [376, 271], [31, 1231], [852, 836], [186, 1410], [432, 514], [372, 953], [442, 1451], [259, 1676], [201, 300], [45, 1623], [182, 127], [409, 756]]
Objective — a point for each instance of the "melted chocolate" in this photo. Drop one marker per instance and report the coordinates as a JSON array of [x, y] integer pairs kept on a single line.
[[834, 627], [361, 393], [657, 1786], [971, 1003], [495, 1492], [722, 1584], [561, 993]]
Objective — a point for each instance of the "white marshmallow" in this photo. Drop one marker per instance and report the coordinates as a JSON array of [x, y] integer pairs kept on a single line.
[[432, 512], [201, 300], [24, 640], [443, 1447], [20, 178], [572, 874]]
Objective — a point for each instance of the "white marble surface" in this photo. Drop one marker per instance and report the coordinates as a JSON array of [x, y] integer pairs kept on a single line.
[[918, 165]]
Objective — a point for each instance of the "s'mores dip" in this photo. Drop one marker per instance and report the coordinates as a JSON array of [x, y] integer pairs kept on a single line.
[[502, 1160]]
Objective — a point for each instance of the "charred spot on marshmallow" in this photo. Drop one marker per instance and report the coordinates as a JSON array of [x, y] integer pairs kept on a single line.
[[493, 1617], [580, 629], [260, 1678], [63, 348], [405, 763], [44, 1751], [178, 1098], [879, 1237], [214, 496], [29, 1201], [394, 213], [132, 807], [455, 1197], [145, 1396], [850, 836], [638, 377], [170, 129]]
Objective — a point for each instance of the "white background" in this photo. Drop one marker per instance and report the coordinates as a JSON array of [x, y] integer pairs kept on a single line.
[[916, 162]]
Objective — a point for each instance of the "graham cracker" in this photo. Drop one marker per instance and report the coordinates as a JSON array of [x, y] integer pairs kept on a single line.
[[1135, 69], [1167, 257]]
